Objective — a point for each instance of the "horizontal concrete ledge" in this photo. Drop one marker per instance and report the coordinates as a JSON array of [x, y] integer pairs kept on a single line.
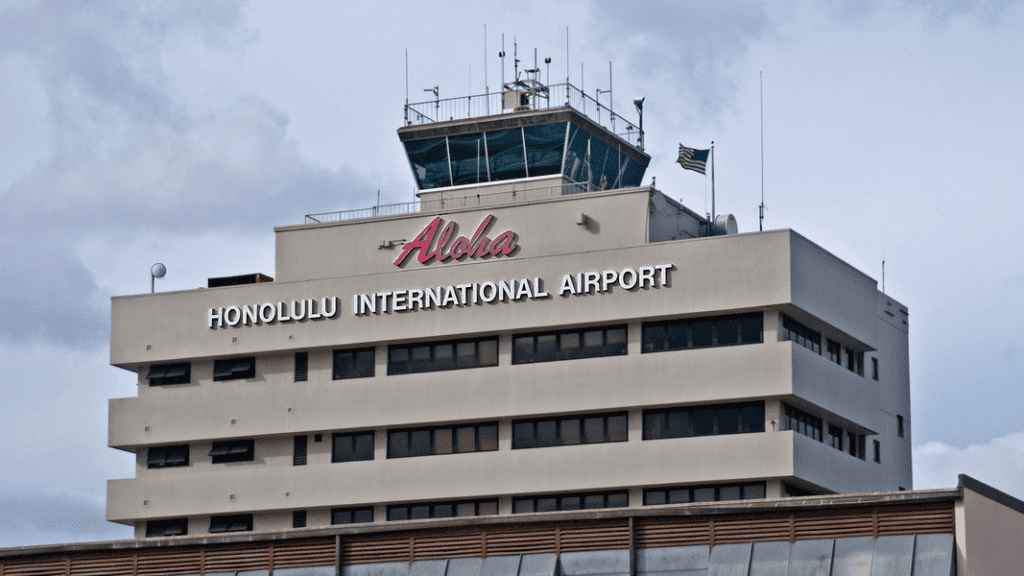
[[669, 510]]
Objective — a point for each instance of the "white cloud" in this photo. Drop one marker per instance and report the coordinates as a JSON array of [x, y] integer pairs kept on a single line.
[[999, 463]]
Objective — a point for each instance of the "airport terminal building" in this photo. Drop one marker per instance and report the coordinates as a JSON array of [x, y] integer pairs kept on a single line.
[[538, 333]]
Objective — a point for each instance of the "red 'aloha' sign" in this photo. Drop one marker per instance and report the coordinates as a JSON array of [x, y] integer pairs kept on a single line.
[[479, 246]]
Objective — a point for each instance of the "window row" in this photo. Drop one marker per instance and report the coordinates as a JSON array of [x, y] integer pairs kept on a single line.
[[443, 440], [704, 421], [811, 426], [716, 493], [568, 431], [849, 442], [569, 345], [425, 510], [487, 507], [801, 422], [811, 339], [221, 452], [483, 437], [480, 352], [703, 332], [440, 356], [564, 502]]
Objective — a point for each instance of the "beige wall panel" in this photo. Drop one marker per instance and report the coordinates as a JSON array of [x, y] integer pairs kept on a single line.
[[833, 290], [745, 271], [990, 539], [833, 469], [600, 466], [262, 408], [618, 218], [834, 388]]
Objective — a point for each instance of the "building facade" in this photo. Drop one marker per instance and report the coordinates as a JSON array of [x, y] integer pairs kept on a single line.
[[538, 333]]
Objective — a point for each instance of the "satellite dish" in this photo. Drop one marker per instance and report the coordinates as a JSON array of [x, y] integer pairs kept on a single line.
[[157, 271]]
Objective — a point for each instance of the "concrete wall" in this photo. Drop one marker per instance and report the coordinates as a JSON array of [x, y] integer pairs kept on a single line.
[[710, 275], [257, 486], [989, 534]]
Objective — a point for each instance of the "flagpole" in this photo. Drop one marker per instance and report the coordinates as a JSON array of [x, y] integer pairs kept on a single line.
[[712, 183]]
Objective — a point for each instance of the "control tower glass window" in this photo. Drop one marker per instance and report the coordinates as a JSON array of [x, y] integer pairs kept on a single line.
[[468, 155], [429, 159], [505, 152], [544, 144]]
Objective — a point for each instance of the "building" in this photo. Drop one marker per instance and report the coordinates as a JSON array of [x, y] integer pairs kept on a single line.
[[538, 333], [971, 530]]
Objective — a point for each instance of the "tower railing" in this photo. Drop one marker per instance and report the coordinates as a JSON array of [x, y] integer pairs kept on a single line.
[[550, 97], [443, 203]]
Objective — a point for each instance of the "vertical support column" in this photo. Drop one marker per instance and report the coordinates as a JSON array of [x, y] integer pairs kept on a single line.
[[772, 325], [505, 349], [380, 361], [337, 556], [632, 546], [634, 338]]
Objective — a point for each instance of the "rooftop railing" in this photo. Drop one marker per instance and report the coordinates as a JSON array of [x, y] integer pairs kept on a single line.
[[442, 203], [545, 98]]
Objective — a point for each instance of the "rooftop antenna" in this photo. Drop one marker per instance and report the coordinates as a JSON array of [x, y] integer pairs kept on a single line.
[[501, 55], [639, 103], [487, 88], [760, 221], [407, 87], [157, 271], [547, 61], [515, 57], [567, 66], [611, 100]]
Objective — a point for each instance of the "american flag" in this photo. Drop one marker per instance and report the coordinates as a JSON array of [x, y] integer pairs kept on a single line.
[[691, 159]]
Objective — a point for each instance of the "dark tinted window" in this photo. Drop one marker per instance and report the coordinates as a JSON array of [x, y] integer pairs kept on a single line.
[[705, 493], [424, 510], [353, 363], [429, 160], [704, 421], [802, 335], [442, 440], [351, 515], [235, 523], [301, 366], [352, 447], [234, 369], [232, 451], [569, 345], [565, 502], [438, 356], [173, 527], [167, 456], [566, 431], [165, 374], [703, 332]]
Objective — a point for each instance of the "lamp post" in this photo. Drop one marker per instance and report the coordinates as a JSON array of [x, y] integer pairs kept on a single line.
[[157, 271]]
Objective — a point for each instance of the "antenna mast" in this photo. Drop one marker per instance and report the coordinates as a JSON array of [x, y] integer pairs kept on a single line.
[[406, 86], [760, 220], [487, 88]]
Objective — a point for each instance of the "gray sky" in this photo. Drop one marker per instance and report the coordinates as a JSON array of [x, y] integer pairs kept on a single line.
[[180, 132]]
